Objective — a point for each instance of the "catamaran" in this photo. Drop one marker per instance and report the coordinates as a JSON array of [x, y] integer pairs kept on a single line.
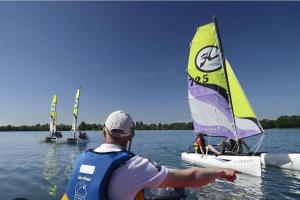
[[83, 136], [220, 108], [53, 119]]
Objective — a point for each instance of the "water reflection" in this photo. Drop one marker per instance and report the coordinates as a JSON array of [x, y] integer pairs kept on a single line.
[[286, 182], [50, 169], [292, 179], [70, 162], [245, 187], [75, 149]]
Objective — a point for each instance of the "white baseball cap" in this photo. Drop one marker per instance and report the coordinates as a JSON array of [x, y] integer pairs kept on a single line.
[[119, 124]]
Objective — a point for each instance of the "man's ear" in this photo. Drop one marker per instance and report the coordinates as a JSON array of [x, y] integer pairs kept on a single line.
[[104, 132]]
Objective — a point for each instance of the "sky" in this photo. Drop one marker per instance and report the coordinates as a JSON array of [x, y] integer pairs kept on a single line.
[[133, 56]]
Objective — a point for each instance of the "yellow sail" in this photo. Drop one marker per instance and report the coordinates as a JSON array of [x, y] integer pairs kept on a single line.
[[75, 110], [246, 121], [53, 107], [205, 64], [241, 105], [53, 115], [76, 104]]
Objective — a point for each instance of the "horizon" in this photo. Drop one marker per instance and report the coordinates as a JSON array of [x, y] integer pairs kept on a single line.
[[133, 56], [137, 121]]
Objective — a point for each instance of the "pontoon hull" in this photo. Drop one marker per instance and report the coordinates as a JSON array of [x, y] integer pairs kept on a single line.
[[54, 140], [50, 139], [282, 160]]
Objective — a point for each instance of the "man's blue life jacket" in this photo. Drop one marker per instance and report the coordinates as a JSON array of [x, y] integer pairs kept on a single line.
[[91, 174]]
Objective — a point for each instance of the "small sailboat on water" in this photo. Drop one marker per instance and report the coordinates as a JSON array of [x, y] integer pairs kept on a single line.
[[219, 106], [82, 137], [53, 119]]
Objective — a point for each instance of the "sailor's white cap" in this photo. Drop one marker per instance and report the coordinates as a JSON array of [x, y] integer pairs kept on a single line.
[[119, 124]]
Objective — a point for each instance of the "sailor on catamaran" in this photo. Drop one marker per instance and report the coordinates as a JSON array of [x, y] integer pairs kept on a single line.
[[201, 147], [230, 146], [112, 172]]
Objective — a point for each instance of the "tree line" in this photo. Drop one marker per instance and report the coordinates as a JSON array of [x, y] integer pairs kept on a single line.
[[281, 122], [45, 127]]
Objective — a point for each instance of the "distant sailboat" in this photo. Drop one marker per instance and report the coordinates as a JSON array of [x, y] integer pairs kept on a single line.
[[82, 136], [53, 119]]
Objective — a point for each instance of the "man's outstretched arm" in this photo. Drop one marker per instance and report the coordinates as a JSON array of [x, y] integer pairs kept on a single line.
[[196, 177]]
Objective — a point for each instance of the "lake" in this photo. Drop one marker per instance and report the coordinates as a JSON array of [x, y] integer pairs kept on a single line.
[[33, 169]]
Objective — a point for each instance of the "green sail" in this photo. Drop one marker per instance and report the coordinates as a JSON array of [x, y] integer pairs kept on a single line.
[[241, 105], [246, 121], [202, 68], [75, 110], [76, 104], [53, 114]]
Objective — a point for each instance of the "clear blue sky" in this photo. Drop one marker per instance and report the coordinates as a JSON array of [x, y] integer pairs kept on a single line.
[[133, 56]]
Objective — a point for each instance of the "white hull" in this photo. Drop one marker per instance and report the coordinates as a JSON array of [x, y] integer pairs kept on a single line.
[[54, 140], [282, 160], [245, 164]]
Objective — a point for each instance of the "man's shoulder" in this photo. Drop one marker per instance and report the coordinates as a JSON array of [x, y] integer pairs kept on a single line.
[[144, 164]]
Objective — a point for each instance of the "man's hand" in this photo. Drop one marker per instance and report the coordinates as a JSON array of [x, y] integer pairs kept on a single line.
[[228, 174]]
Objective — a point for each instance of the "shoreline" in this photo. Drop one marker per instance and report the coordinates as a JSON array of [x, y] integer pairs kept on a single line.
[[135, 130]]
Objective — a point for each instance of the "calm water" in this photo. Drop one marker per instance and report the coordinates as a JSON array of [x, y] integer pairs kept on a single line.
[[33, 169]]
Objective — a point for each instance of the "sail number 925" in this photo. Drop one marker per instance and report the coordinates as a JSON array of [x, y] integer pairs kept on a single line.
[[199, 80]]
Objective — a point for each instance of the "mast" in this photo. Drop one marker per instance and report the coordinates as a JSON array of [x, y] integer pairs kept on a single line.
[[225, 71]]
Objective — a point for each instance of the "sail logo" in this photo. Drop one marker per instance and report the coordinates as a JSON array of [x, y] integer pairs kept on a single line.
[[208, 59]]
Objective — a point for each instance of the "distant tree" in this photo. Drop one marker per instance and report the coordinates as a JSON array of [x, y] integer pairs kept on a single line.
[[100, 126], [266, 124], [82, 126]]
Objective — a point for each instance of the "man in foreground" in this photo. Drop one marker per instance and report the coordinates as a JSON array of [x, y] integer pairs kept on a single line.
[[112, 172]]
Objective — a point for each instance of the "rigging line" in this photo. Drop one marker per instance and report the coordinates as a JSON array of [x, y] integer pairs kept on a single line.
[[256, 147], [239, 154], [259, 143]]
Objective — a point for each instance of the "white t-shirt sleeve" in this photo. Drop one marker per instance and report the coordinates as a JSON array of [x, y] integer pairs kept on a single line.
[[146, 173], [137, 174]]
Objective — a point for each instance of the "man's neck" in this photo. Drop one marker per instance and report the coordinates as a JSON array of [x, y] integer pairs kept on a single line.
[[121, 146]]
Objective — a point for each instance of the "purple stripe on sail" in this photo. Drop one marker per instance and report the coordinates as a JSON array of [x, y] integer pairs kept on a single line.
[[242, 133], [214, 130], [212, 97]]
